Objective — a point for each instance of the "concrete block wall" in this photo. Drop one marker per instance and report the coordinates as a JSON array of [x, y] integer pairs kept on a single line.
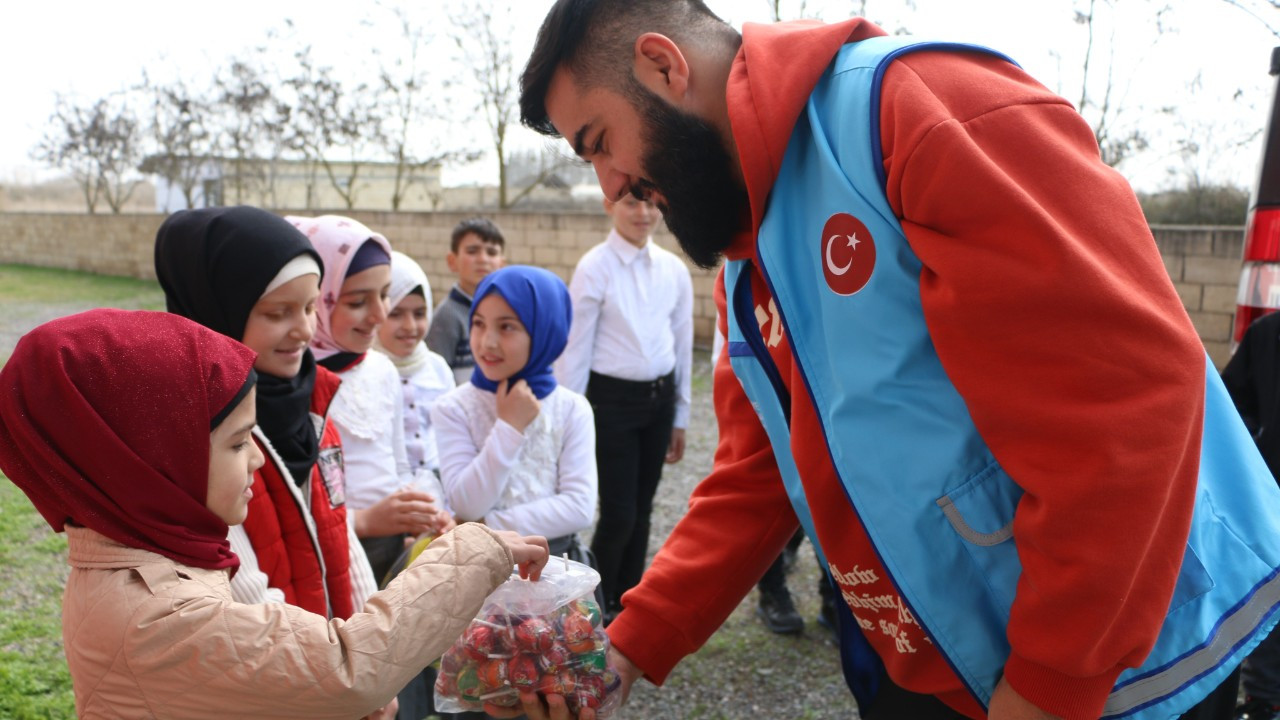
[[123, 245], [1203, 262]]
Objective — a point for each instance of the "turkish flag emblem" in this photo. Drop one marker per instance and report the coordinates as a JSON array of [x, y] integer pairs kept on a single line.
[[848, 254]]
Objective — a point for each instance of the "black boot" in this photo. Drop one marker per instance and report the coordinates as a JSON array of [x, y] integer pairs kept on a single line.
[[779, 613]]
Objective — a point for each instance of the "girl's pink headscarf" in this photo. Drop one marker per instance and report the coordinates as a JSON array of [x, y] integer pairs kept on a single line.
[[337, 239], [104, 422]]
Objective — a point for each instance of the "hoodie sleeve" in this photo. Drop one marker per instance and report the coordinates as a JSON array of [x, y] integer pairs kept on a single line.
[[1055, 318], [702, 572]]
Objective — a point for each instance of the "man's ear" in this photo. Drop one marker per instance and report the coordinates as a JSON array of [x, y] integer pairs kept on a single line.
[[661, 67]]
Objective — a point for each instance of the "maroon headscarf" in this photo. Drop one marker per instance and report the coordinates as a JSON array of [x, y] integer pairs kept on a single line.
[[104, 423]]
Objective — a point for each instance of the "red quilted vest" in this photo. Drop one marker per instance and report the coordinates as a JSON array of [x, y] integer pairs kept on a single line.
[[313, 571]]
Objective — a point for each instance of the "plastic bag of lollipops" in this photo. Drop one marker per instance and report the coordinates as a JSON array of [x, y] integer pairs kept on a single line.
[[546, 636]]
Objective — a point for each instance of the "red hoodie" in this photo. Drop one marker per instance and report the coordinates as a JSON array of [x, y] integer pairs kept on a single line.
[[1053, 315]]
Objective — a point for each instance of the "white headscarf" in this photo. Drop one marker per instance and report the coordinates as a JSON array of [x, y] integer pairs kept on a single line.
[[406, 275]]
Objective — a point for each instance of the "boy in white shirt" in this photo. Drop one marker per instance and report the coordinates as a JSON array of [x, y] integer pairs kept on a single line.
[[630, 352]]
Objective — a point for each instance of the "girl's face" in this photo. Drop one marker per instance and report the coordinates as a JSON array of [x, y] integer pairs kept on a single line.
[[405, 327], [233, 458], [499, 342], [361, 308], [281, 324]]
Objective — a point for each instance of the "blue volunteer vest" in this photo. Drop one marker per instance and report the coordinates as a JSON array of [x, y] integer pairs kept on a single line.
[[935, 502]]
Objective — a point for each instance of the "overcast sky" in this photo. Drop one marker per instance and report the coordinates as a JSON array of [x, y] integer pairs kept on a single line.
[[89, 49]]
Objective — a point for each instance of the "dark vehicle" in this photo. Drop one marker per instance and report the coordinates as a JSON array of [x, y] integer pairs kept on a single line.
[[1259, 291]]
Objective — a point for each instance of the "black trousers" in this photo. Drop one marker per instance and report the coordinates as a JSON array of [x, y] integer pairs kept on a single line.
[[774, 579], [894, 703], [382, 553], [633, 431]]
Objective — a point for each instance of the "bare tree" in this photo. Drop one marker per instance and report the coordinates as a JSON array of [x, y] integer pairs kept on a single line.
[[180, 136], [778, 13], [329, 117], [780, 10], [1102, 94], [1264, 11], [481, 35], [98, 144], [243, 96], [407, 90]]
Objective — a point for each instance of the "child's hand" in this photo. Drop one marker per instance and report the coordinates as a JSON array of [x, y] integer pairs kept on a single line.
[[517, 405], [440, 524], [387, 712], [529, 552], [406, 511]]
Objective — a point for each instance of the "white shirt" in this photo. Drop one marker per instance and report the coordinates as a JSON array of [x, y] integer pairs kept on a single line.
[[540, 482], [420, 392], [369, 414], [632, 318]]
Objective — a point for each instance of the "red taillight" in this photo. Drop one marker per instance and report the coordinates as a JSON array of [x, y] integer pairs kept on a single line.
[[1245, 315], [1262, 236], [1257, 294], [1259, 289]]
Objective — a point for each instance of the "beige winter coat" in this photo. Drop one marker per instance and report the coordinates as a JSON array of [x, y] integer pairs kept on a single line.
[[149, 638]]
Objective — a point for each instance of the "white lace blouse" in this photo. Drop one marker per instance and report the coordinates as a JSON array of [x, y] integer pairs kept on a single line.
[[420, 392], [541, 482], [369, 413]]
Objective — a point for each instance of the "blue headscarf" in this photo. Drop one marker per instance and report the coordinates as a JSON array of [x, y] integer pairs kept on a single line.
[[541, 301]]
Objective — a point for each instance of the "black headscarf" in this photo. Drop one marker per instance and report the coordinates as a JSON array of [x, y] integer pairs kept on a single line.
[[214, 265]]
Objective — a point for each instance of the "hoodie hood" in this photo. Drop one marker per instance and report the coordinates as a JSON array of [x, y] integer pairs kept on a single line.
[[771, 79]]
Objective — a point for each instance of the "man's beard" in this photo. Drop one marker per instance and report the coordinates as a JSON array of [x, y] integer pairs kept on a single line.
[[686, 161]]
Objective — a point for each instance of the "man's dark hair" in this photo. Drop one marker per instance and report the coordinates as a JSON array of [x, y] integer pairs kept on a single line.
[[483, 228], [595, 39]]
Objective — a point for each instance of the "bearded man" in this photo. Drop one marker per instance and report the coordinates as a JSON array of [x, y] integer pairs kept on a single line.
[[954, 357]]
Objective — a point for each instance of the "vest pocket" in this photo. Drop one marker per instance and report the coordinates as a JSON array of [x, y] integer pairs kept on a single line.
[[1193, 580], [981, 513]]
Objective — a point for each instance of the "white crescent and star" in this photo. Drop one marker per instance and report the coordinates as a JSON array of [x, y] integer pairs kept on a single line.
[[853, 245]]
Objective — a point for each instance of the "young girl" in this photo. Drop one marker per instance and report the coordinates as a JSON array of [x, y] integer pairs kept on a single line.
[[131, 432], [251, 276], [424, 375], [370, 418], [516, 449]]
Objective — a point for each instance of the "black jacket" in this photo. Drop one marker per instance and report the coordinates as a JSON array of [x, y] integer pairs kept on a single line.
[[1253, 379]]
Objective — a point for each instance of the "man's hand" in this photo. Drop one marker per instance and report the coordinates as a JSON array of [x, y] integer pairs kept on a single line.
[[552, 707], [675, 451], [1007, 704], [538, 707], [628, 673], [517, 405]]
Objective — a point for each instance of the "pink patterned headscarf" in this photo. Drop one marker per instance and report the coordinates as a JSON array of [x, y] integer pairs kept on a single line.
[[337, 239]]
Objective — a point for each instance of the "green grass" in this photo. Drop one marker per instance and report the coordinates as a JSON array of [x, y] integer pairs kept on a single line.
[[34, 295], [34, 682], [48, 285]]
